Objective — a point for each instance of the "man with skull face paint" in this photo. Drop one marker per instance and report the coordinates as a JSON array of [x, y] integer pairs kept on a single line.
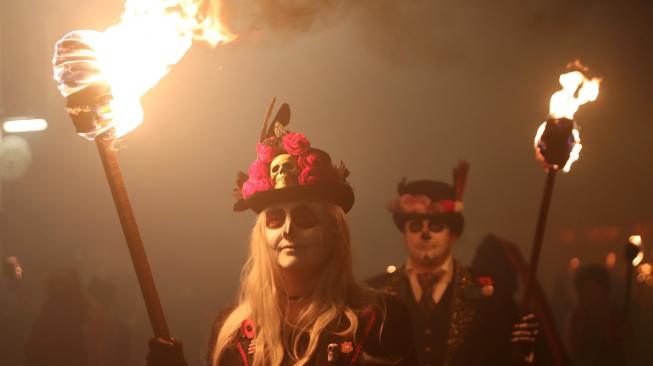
[[452, 316], [299, 303]]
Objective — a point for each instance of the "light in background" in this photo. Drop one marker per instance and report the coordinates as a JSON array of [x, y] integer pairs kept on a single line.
[[24, 124], [611, 260]]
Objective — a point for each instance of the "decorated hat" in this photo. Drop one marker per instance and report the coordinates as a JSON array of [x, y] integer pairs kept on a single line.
[[430, 198], [287, 168]]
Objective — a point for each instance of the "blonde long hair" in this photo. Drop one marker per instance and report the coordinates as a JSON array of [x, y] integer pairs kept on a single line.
[[261, 297]]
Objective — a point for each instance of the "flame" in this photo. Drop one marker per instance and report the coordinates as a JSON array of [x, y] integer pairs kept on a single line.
[[576, 90], [574, 155], [636, 240], [133, 55]]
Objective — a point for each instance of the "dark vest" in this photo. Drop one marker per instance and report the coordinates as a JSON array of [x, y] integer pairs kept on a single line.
[[460, 330]]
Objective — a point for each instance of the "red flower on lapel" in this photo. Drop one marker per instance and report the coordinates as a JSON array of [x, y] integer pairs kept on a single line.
[[346, 347], [485, 281], [247, 329]]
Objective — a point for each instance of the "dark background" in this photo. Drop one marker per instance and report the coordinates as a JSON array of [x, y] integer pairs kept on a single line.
[[393, 88]]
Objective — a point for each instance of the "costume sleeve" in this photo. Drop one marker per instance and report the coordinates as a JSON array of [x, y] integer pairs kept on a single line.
[[396, 333]]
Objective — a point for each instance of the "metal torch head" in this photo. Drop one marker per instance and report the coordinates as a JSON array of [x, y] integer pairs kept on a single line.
[[557, 141], [89, 108]]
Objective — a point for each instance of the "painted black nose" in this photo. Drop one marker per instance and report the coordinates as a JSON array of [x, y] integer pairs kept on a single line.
[[288, 233], [426, 235]]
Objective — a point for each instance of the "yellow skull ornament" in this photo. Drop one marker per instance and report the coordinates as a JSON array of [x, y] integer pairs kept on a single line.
[[284, 171]]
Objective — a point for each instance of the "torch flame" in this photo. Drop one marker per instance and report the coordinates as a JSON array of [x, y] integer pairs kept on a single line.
[[576, 91], [636, 240], [133, 55]]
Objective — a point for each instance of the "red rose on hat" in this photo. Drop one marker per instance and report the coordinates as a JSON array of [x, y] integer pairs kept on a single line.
[[295, 143], [448, 205], [308, 176]]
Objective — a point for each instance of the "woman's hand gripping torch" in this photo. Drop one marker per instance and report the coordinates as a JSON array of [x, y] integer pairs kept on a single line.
[[89, 104]]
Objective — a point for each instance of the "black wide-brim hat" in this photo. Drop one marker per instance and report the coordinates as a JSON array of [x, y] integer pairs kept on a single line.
[[430, 199], [340, 194], [287, 169]]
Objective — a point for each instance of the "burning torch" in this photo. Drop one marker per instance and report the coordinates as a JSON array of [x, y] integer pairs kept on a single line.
[[103, 75], [557, 147], [634, 254]]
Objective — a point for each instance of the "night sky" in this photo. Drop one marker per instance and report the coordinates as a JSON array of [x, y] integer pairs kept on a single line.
[[393, 88]]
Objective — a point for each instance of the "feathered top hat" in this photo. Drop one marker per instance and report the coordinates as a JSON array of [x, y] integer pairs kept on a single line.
[[287, 168], [430, 198]]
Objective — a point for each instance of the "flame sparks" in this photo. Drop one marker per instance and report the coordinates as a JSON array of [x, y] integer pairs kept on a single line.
[[133, 55]]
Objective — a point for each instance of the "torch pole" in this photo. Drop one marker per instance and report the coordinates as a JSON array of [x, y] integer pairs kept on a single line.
[[629, 286], [539, 236], [133, 237]]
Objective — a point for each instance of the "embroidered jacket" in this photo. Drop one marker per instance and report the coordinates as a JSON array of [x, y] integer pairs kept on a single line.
[[383, 333], [463, 328]]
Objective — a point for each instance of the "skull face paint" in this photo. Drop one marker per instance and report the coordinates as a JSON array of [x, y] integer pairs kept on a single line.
[[284, 171], [429, 244], [297, 240]]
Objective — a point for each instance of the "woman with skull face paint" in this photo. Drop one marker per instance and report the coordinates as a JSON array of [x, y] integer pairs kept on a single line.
[[299, 303]]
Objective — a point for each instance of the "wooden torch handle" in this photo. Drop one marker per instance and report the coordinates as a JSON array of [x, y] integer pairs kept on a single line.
[[539, 236], [132, 236]]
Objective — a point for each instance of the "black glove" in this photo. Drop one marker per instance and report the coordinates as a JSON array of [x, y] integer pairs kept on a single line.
[[164, 352], [523, 337]]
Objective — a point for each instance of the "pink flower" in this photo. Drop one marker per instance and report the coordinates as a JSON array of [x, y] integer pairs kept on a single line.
[[253, 185], [259, 170], [315, 168], [306, 160], [265, 152], [410, 203], [308, 176], [295, 143]]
